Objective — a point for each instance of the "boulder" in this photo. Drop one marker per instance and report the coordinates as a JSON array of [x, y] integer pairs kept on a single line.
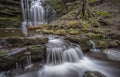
[[93, 74]]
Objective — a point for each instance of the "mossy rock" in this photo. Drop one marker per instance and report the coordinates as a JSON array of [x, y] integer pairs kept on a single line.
[[73, 31], [60, 32], [83, 42], [37, 27], [102, 44], [45, 31], [103, 14], [11, 14], [72, 24], [95, 36]]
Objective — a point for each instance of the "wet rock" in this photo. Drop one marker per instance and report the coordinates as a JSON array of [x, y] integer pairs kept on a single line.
[[82, 41], [24, 41], [107, 43], [93, 74], [9, 60]]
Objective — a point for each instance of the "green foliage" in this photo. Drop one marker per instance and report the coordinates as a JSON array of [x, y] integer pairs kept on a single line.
[[103, 13]]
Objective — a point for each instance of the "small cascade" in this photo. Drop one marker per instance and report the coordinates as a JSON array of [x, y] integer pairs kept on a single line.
[[58, 51], [24, 28], [2, 75], [18, 66], [28, 58], [94, 46]]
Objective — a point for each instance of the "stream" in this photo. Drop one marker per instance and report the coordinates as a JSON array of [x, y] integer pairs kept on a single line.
[[65, 59]]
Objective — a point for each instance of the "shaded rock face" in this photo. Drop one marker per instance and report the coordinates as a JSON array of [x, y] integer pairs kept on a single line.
[[9, 60], [10, 13], [13, 51], [13, 42], [10, 32], [93, 74]]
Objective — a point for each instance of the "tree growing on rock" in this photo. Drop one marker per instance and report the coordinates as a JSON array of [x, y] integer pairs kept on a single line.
[[84, 11]]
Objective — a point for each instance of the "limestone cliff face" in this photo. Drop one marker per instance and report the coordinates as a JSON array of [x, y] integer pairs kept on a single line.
[[10, 13]]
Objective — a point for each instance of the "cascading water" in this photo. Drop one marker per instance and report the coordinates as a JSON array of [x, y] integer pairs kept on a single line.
[[58, 51], [37, 13], [34, 13], [28, 58], [24, 28], [113, 54], [94, 46]]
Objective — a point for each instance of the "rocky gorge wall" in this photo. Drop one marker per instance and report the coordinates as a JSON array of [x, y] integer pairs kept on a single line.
[[10, 13]]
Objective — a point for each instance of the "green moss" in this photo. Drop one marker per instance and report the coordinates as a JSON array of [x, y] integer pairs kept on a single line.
[[114, 44], [102, 44], [103, 13], [95, 36], [48, 31], [92, 0], [60, 32], [10, 18], [85, 25], [72, 24], [73, 31], [35, 47], [1, 52]]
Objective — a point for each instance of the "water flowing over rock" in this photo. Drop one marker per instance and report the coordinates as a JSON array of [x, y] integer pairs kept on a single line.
[[94, 49], [33, 13], [59, 51], [37, 13], [113, 54]]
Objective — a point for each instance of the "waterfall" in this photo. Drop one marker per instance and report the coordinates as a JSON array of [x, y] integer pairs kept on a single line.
[[34, 13], [37, 13], [28, 58], [94, 46], [24, 28], [58, 51], [18, 66]]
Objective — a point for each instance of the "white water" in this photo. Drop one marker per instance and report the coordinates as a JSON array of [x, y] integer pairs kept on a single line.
[[24, 28], [94, 46], [113, 54], [37, 13], [28, 58], [59, 52]]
